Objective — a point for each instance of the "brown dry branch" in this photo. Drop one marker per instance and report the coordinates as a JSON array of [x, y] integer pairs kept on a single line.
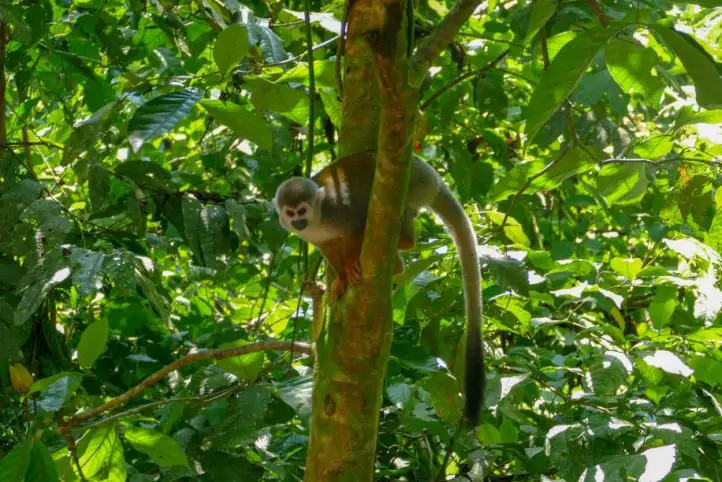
[[186, 360]]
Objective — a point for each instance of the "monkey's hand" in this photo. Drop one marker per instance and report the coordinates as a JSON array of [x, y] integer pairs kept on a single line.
[[353, 271]]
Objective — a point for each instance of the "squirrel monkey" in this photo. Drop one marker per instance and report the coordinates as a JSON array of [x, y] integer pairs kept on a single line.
[[329, 211]]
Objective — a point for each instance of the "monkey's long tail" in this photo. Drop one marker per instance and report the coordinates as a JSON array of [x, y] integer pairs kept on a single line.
[[452, 214]]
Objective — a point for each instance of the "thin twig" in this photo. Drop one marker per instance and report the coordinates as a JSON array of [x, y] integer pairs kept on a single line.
[[461, 78], [598, 12], [526, 185], [186, 360], [430, 47]]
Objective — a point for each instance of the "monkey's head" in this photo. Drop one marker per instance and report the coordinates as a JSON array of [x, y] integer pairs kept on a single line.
[[298, 203]]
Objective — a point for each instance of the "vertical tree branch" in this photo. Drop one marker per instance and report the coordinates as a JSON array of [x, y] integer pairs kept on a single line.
[[598, 12], [4, 38]]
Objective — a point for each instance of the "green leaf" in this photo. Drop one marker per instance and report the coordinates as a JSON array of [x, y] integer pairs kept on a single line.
[[631, 66], [87, 269], [281, 99], [117, 468], [622, 184], [99, 187], [93, 342], [42, 467], [162, 449], [707, 370], [512, 229], [714, 236], [662, 306], [541, 12], [508, 273], [572, 162], [14, 466], [247, 367], [707, 80], [562, 76], [243, 123], [324, 72], [231, 47], [95, 449], [654, 147], [44, 383], [332, 106], [58, 393], [489, 435], [160, 115], [508, 432], [38, 282], [214, 235], [445, 397], [627, 267]]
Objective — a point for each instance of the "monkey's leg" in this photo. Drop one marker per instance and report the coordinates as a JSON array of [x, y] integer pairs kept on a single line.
[[333, 251], [352, 258], [407, 239]]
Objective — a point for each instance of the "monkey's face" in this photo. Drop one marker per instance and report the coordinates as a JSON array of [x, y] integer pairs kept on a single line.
[[298, 205], [296, 218]]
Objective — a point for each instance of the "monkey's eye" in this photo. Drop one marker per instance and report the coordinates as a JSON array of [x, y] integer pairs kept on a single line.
[[302, 211], [289, 213]]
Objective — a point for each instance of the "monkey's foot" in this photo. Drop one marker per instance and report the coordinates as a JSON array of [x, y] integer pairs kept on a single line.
[[353, 272], [338, 287]]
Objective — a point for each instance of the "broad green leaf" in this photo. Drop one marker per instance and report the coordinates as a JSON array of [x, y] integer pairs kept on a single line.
[[38, 282], [93, 342], [512, 229], [714, 235], [42, 467], [160, 115], [270, 43], [246, 367], [489, 435], [622, 183], [541, 12], [573, 161], [214, 235], [689, 117], [95, 449], [14, 466], [562, 76], [654, 147], [161, 448], [399, 394], [508, 273], [58, 393], [555, 43], [87, 269], [297, 394], [324, 72], [243, 123], [707, 370], [281, 99], [99, 187], [117, 469], [606, 375], [230, 47], [508, 431], [445, 397], [631, 66], [662, 306], [44, 383], [627, 267], [707, 80], [332, 106]]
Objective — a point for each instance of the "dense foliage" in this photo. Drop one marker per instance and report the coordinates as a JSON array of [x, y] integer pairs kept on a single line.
[[143, 142]]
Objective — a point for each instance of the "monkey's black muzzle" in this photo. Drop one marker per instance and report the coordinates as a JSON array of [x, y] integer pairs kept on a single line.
[[299, 224]]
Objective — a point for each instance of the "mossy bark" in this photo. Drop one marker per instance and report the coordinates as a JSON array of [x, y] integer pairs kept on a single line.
[[379, 103]]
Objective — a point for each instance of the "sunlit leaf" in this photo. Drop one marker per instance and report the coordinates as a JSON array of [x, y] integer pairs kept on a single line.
[[161, 448], [230, 47], [244, 124], [160, 115], [93, 342], [562, 76]]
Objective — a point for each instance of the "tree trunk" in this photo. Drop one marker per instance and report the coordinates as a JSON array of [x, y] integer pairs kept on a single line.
[[379, 102]]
